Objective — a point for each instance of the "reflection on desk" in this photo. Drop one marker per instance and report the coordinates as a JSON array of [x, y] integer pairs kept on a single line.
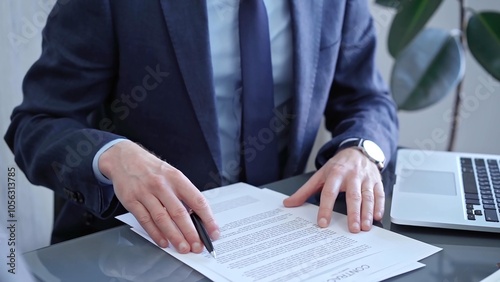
[[114, 255], [461, 263]]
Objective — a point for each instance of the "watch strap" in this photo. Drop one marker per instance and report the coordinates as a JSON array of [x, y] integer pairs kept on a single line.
[[358, 143]]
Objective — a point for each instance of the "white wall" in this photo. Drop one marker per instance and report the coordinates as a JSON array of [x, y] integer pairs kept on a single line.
[[34, 205]]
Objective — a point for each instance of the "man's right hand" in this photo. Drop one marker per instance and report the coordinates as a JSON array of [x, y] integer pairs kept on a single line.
[[152, 190]]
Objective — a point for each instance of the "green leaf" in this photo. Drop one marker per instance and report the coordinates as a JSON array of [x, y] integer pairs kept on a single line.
[[389, 3], [408, 22], [428, 69], [483, 38]]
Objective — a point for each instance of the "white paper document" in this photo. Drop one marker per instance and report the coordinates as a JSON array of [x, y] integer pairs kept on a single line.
[[495, 277], [261, 240]]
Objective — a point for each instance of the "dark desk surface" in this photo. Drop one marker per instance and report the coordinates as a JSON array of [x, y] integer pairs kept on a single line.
[[119, 254]]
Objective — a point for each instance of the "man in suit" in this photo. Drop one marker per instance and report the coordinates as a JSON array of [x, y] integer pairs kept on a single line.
[[142, 104]]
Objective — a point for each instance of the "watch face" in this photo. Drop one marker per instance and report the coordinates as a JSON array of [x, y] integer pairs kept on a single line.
[[374, 151]]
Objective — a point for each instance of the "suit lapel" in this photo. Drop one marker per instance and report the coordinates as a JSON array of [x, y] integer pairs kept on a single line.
[[306, 24], [187, 24]]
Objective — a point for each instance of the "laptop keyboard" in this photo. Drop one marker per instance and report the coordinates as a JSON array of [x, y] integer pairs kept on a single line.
[[481, 181]]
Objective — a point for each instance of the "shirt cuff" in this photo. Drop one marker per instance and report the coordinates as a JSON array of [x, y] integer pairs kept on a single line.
[[95, 162], [347, 140]]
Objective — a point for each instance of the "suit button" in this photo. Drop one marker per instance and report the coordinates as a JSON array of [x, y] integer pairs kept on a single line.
[[88, 217], [79, 198], [70, 194]]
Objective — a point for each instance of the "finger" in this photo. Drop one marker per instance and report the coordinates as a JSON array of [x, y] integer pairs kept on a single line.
[[303, 193], [353, 202], [379, 195], [199, 204], [165, 223], [329, 194], [145, 220], [186, 232], [367, 205], [185, 191]]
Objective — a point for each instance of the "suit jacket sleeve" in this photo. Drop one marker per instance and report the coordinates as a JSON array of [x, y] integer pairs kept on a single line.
[[359, 104], [52, 133]]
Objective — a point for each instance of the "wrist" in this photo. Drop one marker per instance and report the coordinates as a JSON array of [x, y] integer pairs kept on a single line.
[[109, 159], [371, 150]]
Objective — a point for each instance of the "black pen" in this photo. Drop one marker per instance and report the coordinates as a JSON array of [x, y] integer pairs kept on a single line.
[[202, 232]]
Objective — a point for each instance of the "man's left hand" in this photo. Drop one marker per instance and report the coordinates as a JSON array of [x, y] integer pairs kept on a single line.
[[351, 172]]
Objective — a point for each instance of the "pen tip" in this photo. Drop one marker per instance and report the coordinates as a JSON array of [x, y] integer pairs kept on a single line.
[[213, 254]]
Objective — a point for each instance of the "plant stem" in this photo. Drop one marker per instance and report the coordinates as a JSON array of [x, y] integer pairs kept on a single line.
[[458, 98]]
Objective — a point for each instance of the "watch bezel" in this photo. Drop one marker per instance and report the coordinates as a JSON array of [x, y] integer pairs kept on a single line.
[[373, 151]]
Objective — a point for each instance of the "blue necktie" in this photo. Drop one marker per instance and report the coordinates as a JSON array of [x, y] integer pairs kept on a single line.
[[259, 141]]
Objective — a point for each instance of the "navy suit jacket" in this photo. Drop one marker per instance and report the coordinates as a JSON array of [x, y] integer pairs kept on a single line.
[[142, 70]]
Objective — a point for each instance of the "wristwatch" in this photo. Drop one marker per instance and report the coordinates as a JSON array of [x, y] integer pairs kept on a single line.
[[371, 150]]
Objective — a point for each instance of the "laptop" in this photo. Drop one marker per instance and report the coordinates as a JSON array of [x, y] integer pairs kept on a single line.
[[447, 190]]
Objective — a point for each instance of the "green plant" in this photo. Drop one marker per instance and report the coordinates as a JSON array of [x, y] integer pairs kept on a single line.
[[430, 63]]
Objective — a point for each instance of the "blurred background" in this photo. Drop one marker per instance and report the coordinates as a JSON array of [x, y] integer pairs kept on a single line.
[[429, 128]]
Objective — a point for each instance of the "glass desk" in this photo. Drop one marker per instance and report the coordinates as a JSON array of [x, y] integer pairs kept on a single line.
[[119, 254]]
